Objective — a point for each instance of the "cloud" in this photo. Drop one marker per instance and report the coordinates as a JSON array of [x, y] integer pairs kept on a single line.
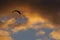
[[48, 25], [40, 33], [4, 35], [6, 24], [38, 39], [45, 38], [55, 34], [5, 38], [19, 28]]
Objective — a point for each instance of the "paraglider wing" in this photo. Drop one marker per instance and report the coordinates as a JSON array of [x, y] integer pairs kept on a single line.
[[17, 11]]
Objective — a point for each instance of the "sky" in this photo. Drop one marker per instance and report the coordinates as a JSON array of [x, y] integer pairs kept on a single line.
[[39, 20]]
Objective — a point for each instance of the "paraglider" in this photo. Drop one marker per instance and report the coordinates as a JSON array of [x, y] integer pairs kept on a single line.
[[19, 13], [16, 11]]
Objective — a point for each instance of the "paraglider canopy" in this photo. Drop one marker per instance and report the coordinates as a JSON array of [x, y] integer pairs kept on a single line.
[[16, 11]]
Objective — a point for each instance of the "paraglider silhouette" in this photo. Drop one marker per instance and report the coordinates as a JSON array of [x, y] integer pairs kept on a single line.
[[16, 11]]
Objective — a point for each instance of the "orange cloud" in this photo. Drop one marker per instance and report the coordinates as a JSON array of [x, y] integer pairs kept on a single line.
[[5, 38], [19, 28], [38, 39], [6, 24], [45, 38], [4, 35], [40, 33], [55, 34], [48, 25]]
